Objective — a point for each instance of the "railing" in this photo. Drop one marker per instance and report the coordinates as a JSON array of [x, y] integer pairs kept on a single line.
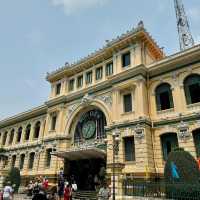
[[162, 190]]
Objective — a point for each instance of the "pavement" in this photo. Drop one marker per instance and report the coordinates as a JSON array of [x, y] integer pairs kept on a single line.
[[21, 197]]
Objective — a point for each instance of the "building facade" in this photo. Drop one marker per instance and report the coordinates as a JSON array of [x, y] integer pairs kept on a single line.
[[129, 88]]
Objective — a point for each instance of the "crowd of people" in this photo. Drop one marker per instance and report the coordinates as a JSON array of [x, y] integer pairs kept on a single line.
[[7, 192], [39, 189]]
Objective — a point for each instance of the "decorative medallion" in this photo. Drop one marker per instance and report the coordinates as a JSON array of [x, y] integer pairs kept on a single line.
[[183, 130], [139, 132]]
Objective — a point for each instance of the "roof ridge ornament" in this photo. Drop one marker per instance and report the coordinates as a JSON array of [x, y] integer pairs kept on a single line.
[[109, 43]]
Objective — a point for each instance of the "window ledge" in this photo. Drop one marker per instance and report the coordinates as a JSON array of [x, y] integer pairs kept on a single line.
[[124, 67], [193, 105], [128, 113], [165, 111], [52, 131], [130, 162]]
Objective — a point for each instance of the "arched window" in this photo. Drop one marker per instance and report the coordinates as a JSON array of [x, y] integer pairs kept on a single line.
[[22, 158], [19, 134], [169, 141], [48, 157], [31, 160], [11, 136], [196, 138], [28, 131], [37, 130], [192, 89], [164, 99], [4, 138], [13, 161]]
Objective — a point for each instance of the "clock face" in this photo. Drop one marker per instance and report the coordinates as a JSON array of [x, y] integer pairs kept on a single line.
[[88, 129]]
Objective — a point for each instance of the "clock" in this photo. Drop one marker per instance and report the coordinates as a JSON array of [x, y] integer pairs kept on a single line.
[[88, 129]]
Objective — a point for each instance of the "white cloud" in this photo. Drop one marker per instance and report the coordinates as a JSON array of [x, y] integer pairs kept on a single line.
[[73, 6]]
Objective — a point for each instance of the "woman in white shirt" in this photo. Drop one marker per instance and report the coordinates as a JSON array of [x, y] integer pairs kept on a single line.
[[8, 192]]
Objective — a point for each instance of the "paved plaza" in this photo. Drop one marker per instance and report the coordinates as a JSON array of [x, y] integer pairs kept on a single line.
[[21, 197]]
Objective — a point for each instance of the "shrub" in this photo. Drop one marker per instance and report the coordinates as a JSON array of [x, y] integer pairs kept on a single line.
[[182, 175]]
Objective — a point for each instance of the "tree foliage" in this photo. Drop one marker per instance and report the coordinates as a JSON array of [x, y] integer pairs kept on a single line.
[[182, 175], [14, 178], [187, 167]]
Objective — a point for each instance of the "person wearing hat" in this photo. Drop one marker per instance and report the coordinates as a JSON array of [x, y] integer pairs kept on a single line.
[[8, 192]]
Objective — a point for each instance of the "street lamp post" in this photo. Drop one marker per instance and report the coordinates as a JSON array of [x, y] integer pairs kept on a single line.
[[115, 150]]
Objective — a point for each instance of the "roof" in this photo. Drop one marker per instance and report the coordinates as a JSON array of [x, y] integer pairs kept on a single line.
[[140, 31]]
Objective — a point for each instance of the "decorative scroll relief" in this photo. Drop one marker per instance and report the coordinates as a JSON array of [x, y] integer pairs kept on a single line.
[[107, 99], [87, 100], [71, 109], [183, 130], [87, 144]]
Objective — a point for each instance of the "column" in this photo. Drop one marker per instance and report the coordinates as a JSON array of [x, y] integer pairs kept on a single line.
[[23, 134], [65, 85], [132, 55], [25, 169], [138, 54], [8, 138], [140, 96], [32, 131], [116, 106], [117, 64], [17, 162]]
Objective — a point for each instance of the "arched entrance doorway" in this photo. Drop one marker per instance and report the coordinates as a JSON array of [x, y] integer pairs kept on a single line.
[[85, 162]]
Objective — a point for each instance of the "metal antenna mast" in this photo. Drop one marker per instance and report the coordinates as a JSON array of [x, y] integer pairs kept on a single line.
[[185, 37]]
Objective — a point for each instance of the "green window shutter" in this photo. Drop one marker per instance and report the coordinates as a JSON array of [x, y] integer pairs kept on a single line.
[[129, 147]]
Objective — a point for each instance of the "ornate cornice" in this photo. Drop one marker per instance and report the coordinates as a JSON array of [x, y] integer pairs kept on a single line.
[[131, 124], [111, 46], [176, 120], [35, 112], [176, 61]]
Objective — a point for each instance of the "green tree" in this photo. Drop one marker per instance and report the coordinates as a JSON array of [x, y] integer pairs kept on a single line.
[[182, 175], [14, 178]]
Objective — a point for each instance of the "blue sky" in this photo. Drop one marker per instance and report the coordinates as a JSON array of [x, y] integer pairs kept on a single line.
[[38, 36]]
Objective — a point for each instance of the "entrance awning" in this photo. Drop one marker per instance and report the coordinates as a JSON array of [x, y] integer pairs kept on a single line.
[[81, 154]]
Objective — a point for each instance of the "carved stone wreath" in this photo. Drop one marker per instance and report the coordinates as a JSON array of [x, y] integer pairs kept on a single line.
[[139, 132], [183, 130]]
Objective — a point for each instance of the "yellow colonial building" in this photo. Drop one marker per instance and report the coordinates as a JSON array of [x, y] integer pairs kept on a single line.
[[129, 94]]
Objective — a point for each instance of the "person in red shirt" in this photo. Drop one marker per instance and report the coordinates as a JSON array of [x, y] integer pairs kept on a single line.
[[1, 195], [45, 183], [67, 192]]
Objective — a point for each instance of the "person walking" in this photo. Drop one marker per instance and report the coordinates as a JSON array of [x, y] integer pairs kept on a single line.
[[1, 194], [8, 192], [104, 192], [67, 192], [60, 188]]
